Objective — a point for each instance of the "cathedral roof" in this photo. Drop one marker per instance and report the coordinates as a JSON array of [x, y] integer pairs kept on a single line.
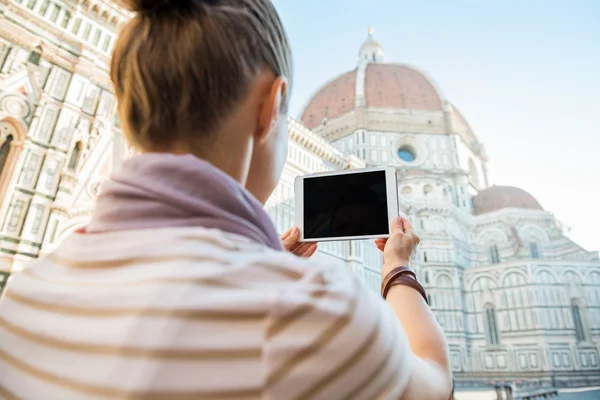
[[387, 86], [379, 96], [333, 100], [496, 198]]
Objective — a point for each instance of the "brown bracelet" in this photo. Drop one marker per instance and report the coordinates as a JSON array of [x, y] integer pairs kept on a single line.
[[405, 276], [410, 282], [396, 272]]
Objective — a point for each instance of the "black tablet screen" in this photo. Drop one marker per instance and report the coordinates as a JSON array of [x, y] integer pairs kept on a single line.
[[345, 205]]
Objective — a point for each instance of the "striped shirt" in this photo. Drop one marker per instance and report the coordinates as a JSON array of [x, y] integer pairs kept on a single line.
[[192, 313]]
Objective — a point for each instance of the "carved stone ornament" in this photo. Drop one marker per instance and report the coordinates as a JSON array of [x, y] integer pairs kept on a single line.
[[15, 105]]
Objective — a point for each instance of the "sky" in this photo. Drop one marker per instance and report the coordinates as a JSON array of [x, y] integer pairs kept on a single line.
[[525, 74]]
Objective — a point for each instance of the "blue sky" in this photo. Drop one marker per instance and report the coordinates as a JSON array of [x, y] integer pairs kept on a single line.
[[524, 73]]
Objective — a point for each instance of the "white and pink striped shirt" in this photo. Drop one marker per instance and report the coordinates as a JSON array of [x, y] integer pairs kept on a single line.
[[192, 313]]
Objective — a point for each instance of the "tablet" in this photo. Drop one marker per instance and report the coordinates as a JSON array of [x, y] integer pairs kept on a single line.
[[342, 205]]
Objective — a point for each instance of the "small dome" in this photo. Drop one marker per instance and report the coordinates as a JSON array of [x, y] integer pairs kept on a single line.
[[499, 197]]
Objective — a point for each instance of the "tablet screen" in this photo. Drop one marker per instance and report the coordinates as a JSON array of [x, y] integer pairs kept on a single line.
[[345, 205]]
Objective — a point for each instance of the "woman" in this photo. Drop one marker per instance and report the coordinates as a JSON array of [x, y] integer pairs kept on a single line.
[[179, 288]]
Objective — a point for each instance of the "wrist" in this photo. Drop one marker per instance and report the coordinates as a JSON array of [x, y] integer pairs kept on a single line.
[[390, 265]]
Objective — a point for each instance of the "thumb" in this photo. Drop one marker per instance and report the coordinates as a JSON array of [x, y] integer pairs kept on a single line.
[[408, 228], [292, 238], [397, 225]]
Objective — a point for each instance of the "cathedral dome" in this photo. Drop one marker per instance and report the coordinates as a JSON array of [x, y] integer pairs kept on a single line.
[[496, 198], [386, 86], [379, 96], [373, 85]]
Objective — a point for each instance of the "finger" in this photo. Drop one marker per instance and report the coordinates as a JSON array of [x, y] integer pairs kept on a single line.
[[310, 251], [291, 241], [380, 246], [301, 248], [287, 234], [408, 228], [409, 231], [380, 243], [397, 225]]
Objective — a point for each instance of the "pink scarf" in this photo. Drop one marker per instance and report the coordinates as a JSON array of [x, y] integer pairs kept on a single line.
[[157, 190]]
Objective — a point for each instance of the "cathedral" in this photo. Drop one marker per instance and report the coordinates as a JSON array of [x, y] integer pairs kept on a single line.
[[517, 299]]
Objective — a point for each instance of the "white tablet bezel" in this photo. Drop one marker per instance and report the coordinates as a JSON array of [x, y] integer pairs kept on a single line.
[[391, 186]]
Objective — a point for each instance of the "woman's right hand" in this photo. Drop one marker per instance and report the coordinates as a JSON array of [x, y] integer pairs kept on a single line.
[[399, 247], [431, 376]]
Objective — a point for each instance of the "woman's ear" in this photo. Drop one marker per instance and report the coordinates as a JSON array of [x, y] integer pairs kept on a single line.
[[270, 108]]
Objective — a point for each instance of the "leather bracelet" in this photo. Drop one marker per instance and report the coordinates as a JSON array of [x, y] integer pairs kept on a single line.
[[407, 281], [399, 271]]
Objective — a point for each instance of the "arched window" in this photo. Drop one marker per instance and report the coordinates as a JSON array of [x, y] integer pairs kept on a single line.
[[572, 277], [4, 150], [491, 328], [533, 250], [577, 322], [75, 154], [494, 254], [444, 281]]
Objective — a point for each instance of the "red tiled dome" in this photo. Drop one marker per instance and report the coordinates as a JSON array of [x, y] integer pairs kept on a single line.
[[390, 86], [333, 100], [399, 87], [498, 197]]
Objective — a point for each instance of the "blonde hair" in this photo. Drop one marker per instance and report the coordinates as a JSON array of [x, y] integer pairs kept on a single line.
[[181, 66]]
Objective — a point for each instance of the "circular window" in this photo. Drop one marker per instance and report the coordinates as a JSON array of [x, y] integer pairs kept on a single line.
[[406, 154]]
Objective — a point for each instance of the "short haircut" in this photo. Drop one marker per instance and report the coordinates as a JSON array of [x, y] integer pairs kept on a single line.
[[180, 67]]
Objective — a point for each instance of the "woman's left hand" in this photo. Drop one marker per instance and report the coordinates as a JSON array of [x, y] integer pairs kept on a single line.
[[291, 243]]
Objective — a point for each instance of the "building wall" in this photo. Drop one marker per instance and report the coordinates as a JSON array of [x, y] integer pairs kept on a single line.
[[53, 65]]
